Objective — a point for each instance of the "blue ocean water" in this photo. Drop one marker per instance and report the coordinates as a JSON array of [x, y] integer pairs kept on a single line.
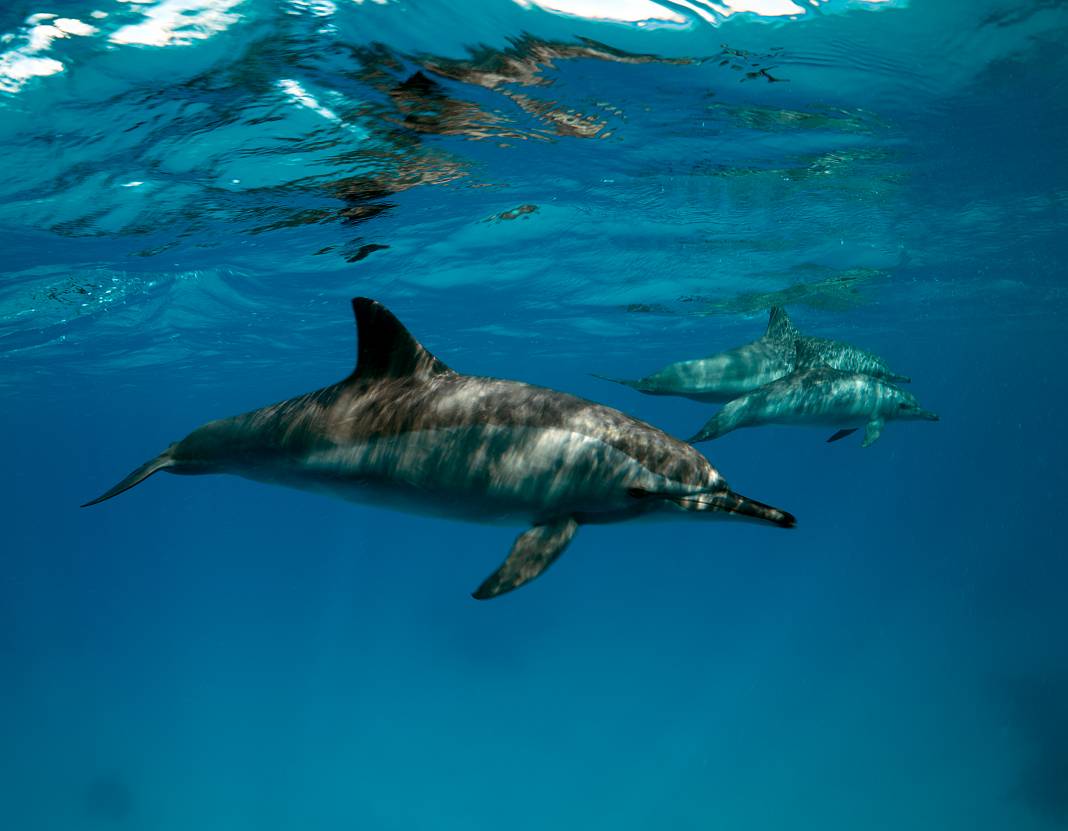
[[194, 189]]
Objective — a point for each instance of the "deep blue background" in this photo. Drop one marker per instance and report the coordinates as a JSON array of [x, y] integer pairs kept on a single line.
[[227, 655]]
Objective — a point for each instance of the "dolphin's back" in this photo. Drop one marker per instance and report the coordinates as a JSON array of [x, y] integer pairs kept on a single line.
[[816, 352]]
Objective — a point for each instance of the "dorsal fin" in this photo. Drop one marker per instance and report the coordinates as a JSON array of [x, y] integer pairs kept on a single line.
[[385, 349], [779, 325]]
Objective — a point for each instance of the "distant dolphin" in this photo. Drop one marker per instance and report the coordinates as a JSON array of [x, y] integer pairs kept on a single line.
[[406, 431], [726, 375], [819, 396], [782, 349]]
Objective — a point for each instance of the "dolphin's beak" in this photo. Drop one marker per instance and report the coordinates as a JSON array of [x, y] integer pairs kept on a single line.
[[927, 415], [729, 502], [900, 379]]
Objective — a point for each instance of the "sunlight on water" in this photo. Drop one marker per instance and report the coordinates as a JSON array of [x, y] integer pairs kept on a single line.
[[27, 60], [649, 12], [178, 22]]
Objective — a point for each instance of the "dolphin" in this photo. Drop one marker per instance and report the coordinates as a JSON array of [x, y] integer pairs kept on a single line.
[[779, 351], [820, 396], [406, 431], [726, 375]]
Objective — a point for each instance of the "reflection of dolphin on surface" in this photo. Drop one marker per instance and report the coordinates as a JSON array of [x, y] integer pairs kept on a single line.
[[821, 396], [406, 431], [782, 349]]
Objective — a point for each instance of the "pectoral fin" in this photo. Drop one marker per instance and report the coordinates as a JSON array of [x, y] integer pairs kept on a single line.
[[533, 551], [841, 434], [872, 432]]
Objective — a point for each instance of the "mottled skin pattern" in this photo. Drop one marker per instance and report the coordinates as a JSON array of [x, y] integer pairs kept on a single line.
[[726, 375], [723, 376], [782, 349], [817, 352], [481, 448], [406, 431], [819, 396]]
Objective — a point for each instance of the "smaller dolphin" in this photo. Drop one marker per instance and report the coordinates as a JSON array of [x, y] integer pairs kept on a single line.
[[779, 351], [726, 375], [819, 396]]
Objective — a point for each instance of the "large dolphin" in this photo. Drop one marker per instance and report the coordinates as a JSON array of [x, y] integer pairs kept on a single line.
[[778, 352], [820, 396], [406, 431]]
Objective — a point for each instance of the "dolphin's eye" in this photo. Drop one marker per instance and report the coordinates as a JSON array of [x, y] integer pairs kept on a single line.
[[902, 406], [637, 493]]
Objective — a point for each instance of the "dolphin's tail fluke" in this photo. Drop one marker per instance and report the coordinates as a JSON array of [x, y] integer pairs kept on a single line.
[[163, 460]]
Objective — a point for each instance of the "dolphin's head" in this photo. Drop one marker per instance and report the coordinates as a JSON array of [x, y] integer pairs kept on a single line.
[[905, 407], [657, 476], [722, 500]]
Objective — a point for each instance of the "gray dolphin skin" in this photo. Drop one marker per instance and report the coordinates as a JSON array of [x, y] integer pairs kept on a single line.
[[778, 352], [726, 375], [816, 352], [820, 396], [405, 431]]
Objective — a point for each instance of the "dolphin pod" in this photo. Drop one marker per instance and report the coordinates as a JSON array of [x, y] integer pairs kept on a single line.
[[406, 431], [781, 350], [785, 377]]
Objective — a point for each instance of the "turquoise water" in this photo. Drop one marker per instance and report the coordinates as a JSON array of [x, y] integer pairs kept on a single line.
[[194, 189]]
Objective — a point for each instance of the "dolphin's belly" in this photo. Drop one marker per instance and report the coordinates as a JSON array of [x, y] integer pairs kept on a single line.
[[483, 473]]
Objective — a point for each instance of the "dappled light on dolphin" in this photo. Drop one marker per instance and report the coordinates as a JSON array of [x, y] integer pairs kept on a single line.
[[406, 431]]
